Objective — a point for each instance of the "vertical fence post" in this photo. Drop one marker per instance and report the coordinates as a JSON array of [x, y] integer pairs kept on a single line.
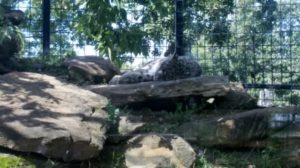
[[179, 28], [46, 28]]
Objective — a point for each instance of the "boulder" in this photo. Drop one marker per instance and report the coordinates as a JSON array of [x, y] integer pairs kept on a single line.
[[289, 141], [129, 124], [291, 132], [162, 69], [41, 114], [91, 68], [205, 86], [236, 100], [115, 80], [245, 129], [157, 151]]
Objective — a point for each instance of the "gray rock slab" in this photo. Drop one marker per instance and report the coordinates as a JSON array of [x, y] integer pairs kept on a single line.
[[91, 68], [41, 114], [206, 86]]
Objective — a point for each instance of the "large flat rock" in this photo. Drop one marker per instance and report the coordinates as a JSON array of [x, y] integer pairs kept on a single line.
[[259, 127], [41, 114], [245, 129], [206, 86]]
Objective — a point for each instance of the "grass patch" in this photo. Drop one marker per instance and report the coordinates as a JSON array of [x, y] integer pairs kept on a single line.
[[211, 158], [10, 161]]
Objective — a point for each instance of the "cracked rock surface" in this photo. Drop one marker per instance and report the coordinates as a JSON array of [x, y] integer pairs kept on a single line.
[[158, 151], [41, 114]]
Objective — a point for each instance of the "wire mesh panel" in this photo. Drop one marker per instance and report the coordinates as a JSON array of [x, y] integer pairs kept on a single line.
[[262, 46], [31, 28], [255, 42]]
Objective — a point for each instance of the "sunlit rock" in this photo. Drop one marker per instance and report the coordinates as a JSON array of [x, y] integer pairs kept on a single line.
[[157, 151], [41, 114]]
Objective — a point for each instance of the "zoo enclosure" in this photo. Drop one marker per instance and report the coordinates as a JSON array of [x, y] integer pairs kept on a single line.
[[257, 44]]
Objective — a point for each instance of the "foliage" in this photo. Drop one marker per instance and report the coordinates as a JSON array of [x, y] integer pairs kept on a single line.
[[250, 29], [124, 27], [252, 41], [61, 23], [183, 112], [202, 162], [54, 65], [8, 161], [121, 29], [113, 113], [10, 32], [261, 49], [211, 157]]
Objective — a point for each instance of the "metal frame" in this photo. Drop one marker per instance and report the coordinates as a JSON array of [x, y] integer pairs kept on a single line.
[[46, 27], [179, 27]]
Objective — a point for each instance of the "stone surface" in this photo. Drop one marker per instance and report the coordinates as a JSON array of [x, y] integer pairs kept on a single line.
[[289, 141], [158, 151], [246, 129], [292, 132], [162, 69], [290, 156], [206, 86], [115, 80], [236, 100], [91, 68], [41, 114], [129, 124]]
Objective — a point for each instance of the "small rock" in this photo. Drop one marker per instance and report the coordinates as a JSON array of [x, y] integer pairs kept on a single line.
[[159, 151], [115, 80], [236, 100], [129, 124], [91, 68]]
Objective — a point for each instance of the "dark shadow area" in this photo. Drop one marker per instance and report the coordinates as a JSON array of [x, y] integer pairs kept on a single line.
[[169, 104]]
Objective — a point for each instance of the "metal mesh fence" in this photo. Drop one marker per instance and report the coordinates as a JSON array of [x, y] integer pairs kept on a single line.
[[32, 33], [252, 54], [260, 49]]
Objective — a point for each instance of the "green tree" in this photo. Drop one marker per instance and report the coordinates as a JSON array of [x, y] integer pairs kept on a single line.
[[123, 27], [61, 23], [261, 49], [242, 57]]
